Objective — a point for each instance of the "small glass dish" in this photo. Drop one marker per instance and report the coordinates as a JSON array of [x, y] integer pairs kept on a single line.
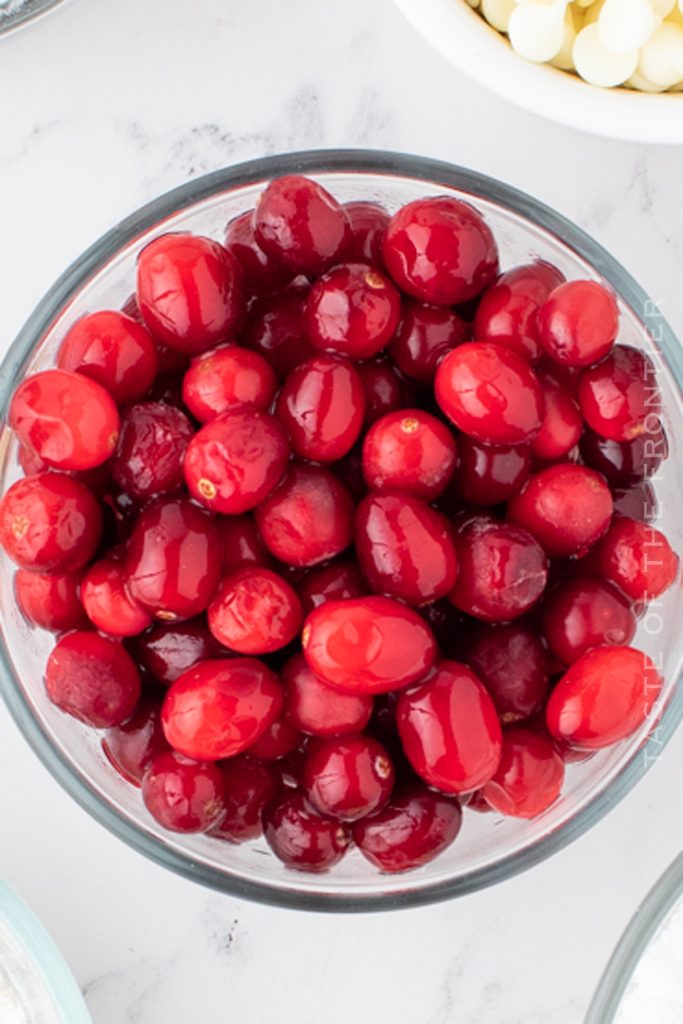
[[489, 848], [15, 14]]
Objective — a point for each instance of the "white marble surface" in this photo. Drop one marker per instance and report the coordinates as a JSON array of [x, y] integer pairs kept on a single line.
[[104, 105]]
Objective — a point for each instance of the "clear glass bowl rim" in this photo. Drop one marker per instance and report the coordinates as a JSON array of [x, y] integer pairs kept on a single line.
[[321, 161]]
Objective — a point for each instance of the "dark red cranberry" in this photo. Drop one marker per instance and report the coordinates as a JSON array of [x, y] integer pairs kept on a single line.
[[262, 274], [637, 558], [487, 475], [334, 582], [425, 335], [308, 519], [352, 310], [228, 379], [619, 397], [302, 839], [68, 420], [168, 389], [106, 602], [349, 471], [507, 311], [274, 329], [190, 291], [368, 223], [93, 678], [131, 747], [385, 390], [167, 651], [440, 250], [299, 224], [513, 665], [410, 451], [316, 708], [637, 502], [149, 458], [242, 544], [578, 323], [583, 613], [114, 350], [280, 739], [624, 463], [322, 407], [448, 626], [250, 785], [255, 611], [410, 831], [184, 795], [561, 427], [348, 777], [529, 777], [49, 601]]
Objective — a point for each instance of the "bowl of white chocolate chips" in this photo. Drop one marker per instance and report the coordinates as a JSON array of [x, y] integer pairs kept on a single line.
[[613, 67]]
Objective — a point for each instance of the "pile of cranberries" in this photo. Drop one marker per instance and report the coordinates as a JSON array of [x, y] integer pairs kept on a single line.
[[342, 529]]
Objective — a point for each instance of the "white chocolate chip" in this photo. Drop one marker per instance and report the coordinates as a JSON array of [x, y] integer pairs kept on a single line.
[[638, 81], [537, 30], [626, 25], [598, 65], [661, 58], [662, 7], [497, 12], [573, 22]]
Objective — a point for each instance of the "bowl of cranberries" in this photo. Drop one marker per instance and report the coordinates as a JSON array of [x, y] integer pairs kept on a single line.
[[339, 537]]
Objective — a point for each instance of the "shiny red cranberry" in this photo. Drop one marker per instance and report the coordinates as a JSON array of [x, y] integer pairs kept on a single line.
[[190, 291], [490, 393], [636, 502], [131, 747], [449, 729], [219, 708], [561, 427], [107, 605], [308, 519], [507, 311], [405, 548], [367, 644], [487, 475], [49, 600], [93, 678], [299, 224], [301, 838], [410, 451], [184, 795], [171, 565], [352, 310], [280, 739], [262, 274], [242, 544], [149, 458], [49, 523], [637, 558], [249, 785], [234, 461], [255, 611], [425, 335], [583, 613], [274, 329], [619, 397], [228, 379], [316, 708], [410, 831], [166, 651], [567, 508], [624, 463], [322, 407], [334, 582], [348, 777], [578, 323], [368, 223], [114, 350], [384, 389], [502, 570], [605, 696], [529, 777], [68, 420], [513, 665], [440, 250]]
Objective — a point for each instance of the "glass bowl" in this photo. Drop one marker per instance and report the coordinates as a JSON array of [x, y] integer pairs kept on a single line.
[[15, 14], [489, 848]]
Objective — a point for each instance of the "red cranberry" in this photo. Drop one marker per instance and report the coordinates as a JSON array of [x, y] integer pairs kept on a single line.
[[409, 450], [167, 651], [425, 335], [228, 379], [249, 786], [130, 748], [299, 224], [255, 611], [349, 471], [367, 644], [488, 476], [274, 329], [449, 729], [49, 522], [308, 519], [302, 839], [171, 564], [67, 419], [384, 389], [31, 463], [49, 601], [184, 795], [637, 502], [529, 777], [490, 393], [440, 250], [368, 223], [624, 463], [566, 377], [507, 311], [502, 570], [106, 602], [152, 445], [619, 398], [411, 830], [190, 291], [637, 558], [242, 544], [512, 663], [322, 406], [561, 427], [114, 350], [93, 678], [319, 710], [280, 739], [352, 310], [348, 777], [219, 708], [234, 461], [333, 582], [578, 323], [262, 274], [584, 613], [605, 696], [405, 548]]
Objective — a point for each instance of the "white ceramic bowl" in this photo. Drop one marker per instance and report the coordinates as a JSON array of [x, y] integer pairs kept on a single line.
[[482, 53]]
